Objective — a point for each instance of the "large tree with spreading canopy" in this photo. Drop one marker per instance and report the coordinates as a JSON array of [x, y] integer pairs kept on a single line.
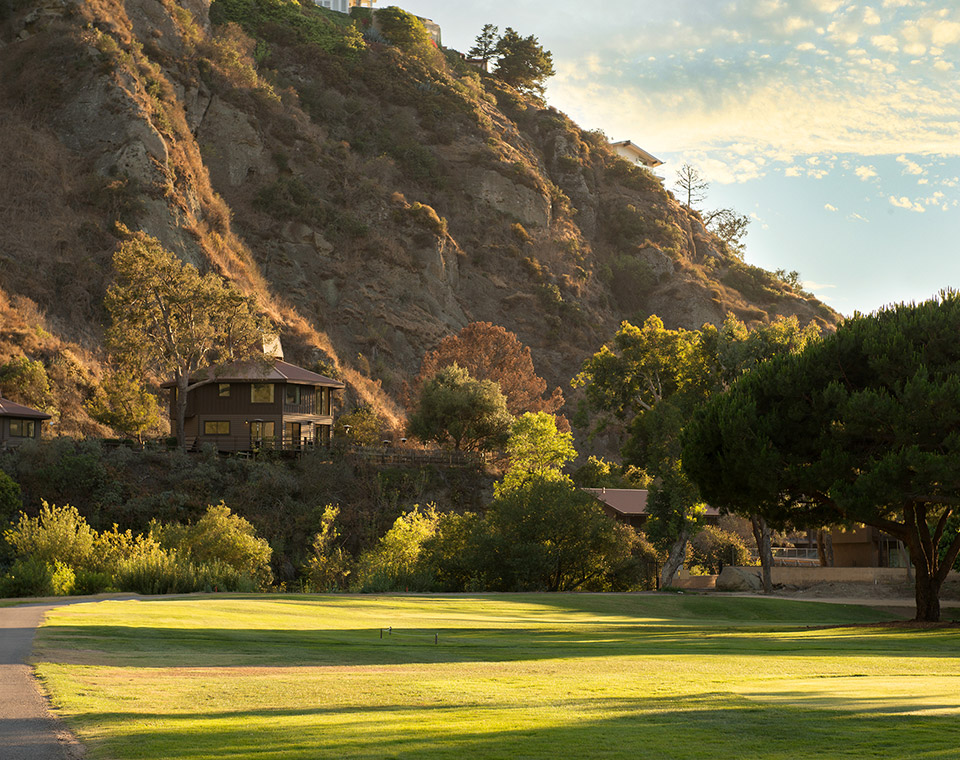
[[861, 427], [170, 318]]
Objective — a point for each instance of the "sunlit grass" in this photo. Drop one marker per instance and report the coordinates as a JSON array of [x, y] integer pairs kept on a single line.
[[521, 676]]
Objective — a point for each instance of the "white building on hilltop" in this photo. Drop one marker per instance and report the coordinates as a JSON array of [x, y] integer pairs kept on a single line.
[[635, 154], [344, 6]]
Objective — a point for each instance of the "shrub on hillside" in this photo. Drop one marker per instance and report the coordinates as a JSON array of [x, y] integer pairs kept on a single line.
[[305, 22], [408, 33]]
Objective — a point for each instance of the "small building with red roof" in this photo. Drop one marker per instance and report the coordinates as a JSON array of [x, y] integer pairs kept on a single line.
[[629, 505]]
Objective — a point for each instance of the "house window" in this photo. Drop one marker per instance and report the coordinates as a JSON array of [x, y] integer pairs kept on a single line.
[[216, 427], [223, 390], [324, 401], [291, 395], [260, 430], [261, 393], [22, 428], [322, 433], [291, 432]]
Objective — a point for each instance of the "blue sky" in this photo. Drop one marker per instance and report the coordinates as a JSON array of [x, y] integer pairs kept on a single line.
[[835, 125]]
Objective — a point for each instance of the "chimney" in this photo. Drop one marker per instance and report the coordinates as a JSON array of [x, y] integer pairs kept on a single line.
[[271, 346]]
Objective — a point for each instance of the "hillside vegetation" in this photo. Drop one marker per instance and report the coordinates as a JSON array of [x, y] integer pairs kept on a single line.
[[373, 199]]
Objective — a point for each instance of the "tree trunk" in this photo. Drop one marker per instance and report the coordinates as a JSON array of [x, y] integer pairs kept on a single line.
[[925, 556], [678, 553], [182, 384], [761, 534], [825, 548], [927, 594]]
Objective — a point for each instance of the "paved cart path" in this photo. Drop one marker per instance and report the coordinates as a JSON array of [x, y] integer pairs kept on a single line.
[[27, 729]]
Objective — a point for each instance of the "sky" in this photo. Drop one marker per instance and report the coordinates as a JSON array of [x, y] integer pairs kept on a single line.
[[834, 125]]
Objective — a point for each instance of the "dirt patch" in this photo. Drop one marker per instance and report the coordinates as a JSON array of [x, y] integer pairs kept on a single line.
[[880, 591]]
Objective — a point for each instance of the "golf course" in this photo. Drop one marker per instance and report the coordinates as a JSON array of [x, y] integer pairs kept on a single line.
[[498, 676]]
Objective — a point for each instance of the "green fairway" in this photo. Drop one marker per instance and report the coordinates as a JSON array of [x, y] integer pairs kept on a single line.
[[510, 676]]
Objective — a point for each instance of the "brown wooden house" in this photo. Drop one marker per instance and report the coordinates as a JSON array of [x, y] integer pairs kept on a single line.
[[19, 423], [248, 407]]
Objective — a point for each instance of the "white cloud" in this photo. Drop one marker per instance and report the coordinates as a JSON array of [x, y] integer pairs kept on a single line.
[[794, 24], [904, 202], [855, 217], [815, 286], [826, 6], [885, 42], [830, 207], [909, 166], [780, 94]]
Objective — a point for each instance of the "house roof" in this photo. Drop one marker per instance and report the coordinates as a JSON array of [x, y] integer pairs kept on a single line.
[[629, 501], [277, 371], [10, 409], [626, 501], [647, 158]]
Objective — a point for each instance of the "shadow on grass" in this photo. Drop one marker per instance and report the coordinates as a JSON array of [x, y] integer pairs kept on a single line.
[[143, 646], [706, 725]]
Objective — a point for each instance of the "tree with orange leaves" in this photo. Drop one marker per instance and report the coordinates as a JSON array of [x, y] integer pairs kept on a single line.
[[490, 352]]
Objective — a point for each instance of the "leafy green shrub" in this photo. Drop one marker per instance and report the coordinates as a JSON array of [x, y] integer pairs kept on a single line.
[[756, 284], [426, 216], [306, 23], [631, 279], [292, 198], [624, 224], [362, 426], [10, 498], [220, 537], [330, 565], [634, 177], [394, 563], [56, 534], [25, 380], [91, 582], [166, 572], [62, 579], [713, 548], [28, 577], [408, 33]]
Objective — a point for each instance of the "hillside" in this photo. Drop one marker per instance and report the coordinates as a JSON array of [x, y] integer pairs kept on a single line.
[[373, 200]]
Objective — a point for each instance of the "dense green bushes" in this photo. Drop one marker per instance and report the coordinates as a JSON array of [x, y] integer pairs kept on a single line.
[[60, 554], [309, 24]]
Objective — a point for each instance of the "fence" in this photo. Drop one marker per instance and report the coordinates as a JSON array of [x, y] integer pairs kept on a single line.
[[245, 446]]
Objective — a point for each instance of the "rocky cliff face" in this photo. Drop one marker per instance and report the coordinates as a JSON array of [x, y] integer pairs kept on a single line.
[[372, 201]]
